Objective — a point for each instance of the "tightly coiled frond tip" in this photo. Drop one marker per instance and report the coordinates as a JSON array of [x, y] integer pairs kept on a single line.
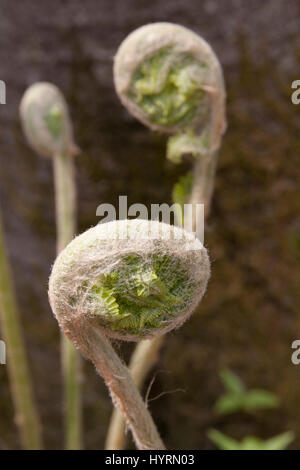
[[133, 287], [165, 75], [45, 120]]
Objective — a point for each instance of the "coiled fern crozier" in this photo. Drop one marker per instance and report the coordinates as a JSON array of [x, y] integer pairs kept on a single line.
[[48, 128], [170, 79], [135, 287], [130, 280]]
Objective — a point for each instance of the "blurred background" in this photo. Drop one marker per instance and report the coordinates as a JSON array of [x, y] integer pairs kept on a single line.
[[250, 313]]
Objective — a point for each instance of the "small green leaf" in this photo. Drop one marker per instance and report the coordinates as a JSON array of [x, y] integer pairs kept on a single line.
[[229, 403], [186, 143], [252, 443], [257, 399], [222, 441], [232, 382], [280, 442], [238, 398], [105, 298]]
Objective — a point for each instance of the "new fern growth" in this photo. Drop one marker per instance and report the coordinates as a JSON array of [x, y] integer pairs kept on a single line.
[[131, 280], [48, 129], [134, 287], [170, 79], [46, 121], [238, 398]]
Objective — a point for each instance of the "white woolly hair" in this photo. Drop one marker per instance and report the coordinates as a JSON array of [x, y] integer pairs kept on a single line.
[[143, 43], [38, 101], [158, 272]]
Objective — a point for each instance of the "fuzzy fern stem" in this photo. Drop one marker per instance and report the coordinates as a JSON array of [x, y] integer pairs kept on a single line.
[[65, 202], [144, 358], [95, 346], [130, 280]]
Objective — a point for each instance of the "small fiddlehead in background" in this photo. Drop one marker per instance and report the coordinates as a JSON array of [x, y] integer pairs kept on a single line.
[[48, 129]]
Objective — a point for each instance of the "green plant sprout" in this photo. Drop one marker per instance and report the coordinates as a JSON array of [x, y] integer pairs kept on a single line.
[[48, 129], [171, 80], [26, 414], [180, 194], [238, 398], [129, 280], [223, 442]]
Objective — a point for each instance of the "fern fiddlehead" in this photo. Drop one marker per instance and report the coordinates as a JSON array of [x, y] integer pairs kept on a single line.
[[130, 288], [48, 129], [46, 121], [134, 287], [170, 79]]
